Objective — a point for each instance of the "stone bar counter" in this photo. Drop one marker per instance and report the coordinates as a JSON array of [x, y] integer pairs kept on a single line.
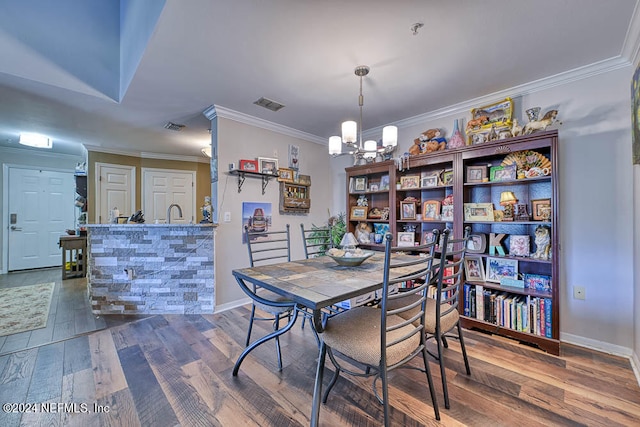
[[151, 268]]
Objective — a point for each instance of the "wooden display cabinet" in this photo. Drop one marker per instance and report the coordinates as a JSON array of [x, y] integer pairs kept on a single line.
[[468, 181]]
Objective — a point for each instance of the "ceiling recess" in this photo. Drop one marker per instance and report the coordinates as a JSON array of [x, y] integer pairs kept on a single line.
[[174, 126], [269, 104]]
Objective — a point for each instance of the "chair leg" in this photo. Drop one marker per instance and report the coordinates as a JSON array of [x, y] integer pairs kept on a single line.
[[317, 389], [464, 350], [253, 314], [385, 393], [438, 337], [276, 325], [444, 341], [334, 379], [427, 370]]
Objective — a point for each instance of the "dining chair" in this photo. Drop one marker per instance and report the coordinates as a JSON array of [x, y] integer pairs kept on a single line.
[[442, 315], [441, 312], [268, 247], [317, 241], [381, 339]]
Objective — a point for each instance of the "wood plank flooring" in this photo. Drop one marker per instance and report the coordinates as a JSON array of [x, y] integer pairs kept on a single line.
[[176, 370]]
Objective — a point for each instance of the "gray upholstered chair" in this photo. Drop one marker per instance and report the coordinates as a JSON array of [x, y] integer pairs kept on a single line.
[[268, 247], [381, 339]]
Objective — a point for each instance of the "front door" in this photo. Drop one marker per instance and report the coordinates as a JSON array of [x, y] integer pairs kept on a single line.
[[161, 188], [41, 208]]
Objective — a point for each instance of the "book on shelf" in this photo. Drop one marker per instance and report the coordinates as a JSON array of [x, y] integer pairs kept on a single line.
[[479, 302]]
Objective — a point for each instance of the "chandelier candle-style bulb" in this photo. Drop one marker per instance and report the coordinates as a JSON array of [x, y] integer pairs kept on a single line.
[[370, 149], [335, 145], [349, 131], [389, 136]]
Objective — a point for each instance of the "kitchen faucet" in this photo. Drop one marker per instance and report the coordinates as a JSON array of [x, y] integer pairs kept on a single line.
[[169, 212]]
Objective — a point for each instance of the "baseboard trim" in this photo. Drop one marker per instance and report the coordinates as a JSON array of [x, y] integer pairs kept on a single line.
[[605, 347], [231, 305]]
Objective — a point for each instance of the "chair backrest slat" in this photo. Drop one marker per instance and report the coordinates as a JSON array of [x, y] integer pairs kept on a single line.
[[276, 244], [449, 276], [316, 241], [398, 268]]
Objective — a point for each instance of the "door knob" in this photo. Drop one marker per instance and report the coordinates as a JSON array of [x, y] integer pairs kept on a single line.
[[14, 228]]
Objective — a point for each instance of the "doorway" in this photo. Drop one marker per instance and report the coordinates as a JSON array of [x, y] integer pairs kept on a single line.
[[115, 187], [41, 208], [163, 187]]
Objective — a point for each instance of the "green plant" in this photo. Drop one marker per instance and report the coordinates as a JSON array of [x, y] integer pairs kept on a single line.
[[338, 224]]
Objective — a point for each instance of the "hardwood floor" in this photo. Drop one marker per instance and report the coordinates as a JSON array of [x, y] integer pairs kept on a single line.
[[176, 370]]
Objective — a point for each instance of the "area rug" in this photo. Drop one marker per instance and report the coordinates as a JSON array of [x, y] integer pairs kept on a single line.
[[24, 308]]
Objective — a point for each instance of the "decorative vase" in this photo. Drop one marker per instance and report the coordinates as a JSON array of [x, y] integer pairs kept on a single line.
[[456, 140]]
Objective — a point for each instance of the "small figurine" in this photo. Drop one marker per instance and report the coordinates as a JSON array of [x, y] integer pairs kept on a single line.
[[543, 243], [363, 232], [516, 130], [535, 125], [362, 201], [493, 135], [207, 210], [477, 123]]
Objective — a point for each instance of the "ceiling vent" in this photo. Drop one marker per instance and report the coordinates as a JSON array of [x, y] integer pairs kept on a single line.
[[174, 126], [269, 104]]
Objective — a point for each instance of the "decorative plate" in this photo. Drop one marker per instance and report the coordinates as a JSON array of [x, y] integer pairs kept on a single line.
[[526, 160], [351, 261]]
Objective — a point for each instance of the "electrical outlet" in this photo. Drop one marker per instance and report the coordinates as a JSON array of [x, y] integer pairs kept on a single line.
[[227, 217], [578, 292]]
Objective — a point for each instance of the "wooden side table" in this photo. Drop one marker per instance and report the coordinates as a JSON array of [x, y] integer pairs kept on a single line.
[[74, 261]]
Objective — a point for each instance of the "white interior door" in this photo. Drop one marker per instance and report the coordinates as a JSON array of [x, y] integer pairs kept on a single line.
[[161, 188], [41, 208], [115, 186]]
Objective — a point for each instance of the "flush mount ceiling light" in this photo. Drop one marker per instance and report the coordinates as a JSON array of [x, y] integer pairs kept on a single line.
[[366, 151], [35, 140]]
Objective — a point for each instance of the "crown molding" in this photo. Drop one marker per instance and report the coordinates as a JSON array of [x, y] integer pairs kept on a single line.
[[631, 45], [34, 153], [226, 113], [147, 155], [464, 107]]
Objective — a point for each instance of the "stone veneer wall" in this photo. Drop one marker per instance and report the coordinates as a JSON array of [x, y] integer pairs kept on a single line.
[[172, 266]]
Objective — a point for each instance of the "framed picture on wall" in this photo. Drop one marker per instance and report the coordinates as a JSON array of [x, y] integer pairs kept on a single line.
[[268, 166]]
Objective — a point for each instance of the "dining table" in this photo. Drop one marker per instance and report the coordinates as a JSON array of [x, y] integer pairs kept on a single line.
[[311, 285]]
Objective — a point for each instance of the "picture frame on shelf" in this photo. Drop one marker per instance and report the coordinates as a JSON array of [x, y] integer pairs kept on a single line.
[[294, 160], [285, 175], [304, 179], [541, 209], [406, 238], [408, 182], [384, 182], [427, 237], [476, 174], [477, 243], [501, 267], [447, 177], [498, 215], [503, 173], [474, 268], [407, 210], [537, 282], [429, 181], [358, 213], [430, 210], [447, 213], [478, 211], [268, 166], [374, 213], [249, 165], [359, 184], [519, 245], [374, 187]]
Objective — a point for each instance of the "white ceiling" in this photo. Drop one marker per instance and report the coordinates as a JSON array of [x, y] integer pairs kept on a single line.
[[301, 53]]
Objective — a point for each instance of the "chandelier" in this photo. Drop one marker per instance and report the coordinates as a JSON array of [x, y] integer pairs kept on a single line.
[[366, 151]]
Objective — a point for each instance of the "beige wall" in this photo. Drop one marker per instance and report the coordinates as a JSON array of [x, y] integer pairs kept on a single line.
[[203, 176], [241, 141]]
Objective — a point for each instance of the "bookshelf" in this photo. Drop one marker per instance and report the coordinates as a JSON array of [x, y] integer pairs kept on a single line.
[[454, 178]]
